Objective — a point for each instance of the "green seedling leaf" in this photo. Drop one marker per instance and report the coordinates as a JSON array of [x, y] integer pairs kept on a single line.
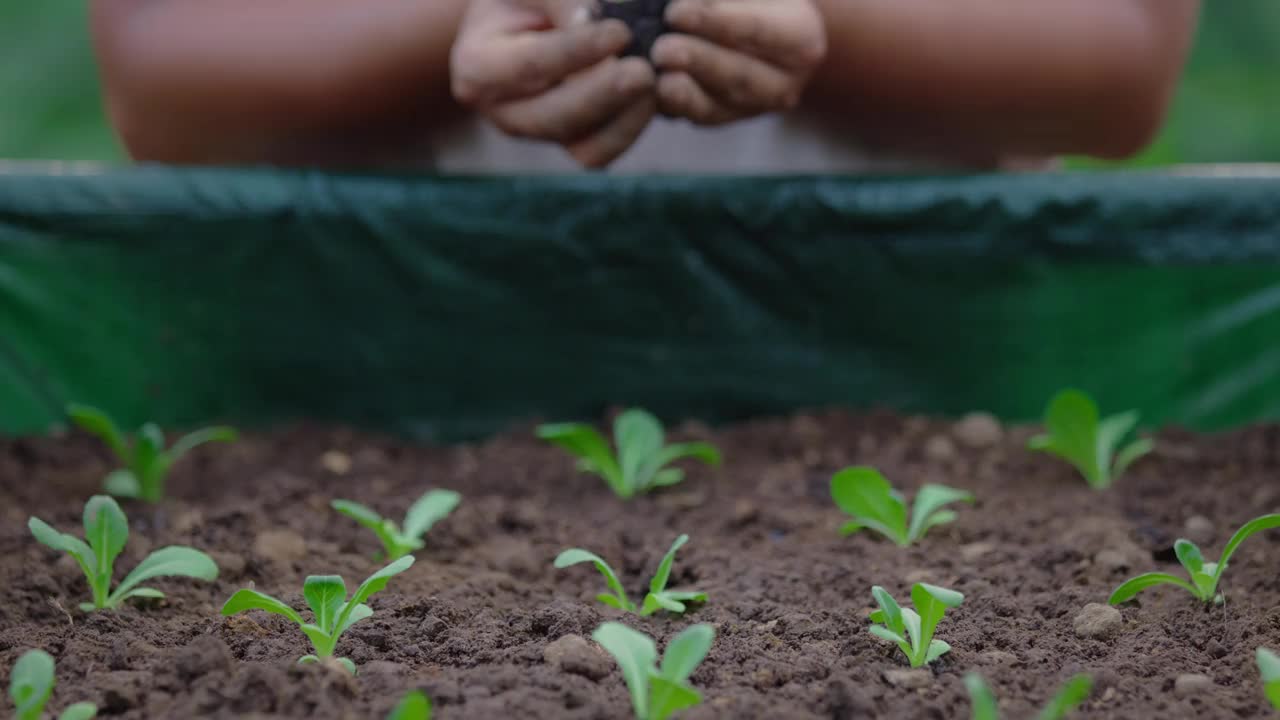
[[31, 684], [191, 441], [248, 599], [1269, 667], [1135, 585], [107, 531], [96, 422], [429, 509], [575, 556], [413, 706], [656, 692], [122, 483], [981, 699], [590, 447], [666, 697], [172, 561], [686, 652], [1073, 692], [928, 512], [659, 598], [146, 462], [1078, 435], [635, 654], [913, 630], [1205, 577], [641, 461], [659, 581], [326, 596], [864, 493], [79, 711]]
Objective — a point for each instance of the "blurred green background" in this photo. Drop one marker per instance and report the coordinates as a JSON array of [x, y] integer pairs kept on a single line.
[[1228, 109]]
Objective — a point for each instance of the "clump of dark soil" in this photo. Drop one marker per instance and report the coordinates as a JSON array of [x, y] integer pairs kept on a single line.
[[486, 625], [644, 17]]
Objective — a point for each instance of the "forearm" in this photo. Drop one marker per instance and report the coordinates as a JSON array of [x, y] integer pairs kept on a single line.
[[257, 81], [1003, 77]]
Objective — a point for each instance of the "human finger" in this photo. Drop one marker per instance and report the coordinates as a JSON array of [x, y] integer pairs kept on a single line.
[[788, 34], [570, 110], [603, 146], [679, 95], [728, 75]]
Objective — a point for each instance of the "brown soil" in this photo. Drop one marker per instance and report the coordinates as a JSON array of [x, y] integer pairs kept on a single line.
[[471, 620]]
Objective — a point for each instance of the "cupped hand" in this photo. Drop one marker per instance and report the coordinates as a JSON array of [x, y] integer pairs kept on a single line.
[[728, 60], [544, 70]]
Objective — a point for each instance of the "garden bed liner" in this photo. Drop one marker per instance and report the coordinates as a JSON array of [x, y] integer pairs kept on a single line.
[[472, 620], [449, 308]]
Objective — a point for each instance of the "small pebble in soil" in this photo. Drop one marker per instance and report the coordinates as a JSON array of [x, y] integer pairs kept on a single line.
[[972, 552], [1199, 529], [574, 654], [1111, 560], [909, 679], [336, 462], [230, 565], [939, 448], [998, 657], [280, 546], [1190, 685], [1097, 621], [978, 430]]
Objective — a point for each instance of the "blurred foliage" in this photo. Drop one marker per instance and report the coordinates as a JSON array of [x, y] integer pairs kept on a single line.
[[1228, 109]]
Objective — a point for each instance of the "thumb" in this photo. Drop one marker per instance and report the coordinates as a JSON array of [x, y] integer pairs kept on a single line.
[[566, 13]]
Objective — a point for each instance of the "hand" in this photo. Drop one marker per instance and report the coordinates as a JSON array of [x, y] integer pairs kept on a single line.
[[728, 60], [542, 69]]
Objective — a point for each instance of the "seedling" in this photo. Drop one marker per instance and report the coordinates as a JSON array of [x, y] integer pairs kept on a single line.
[[659, 597], [31, 684], [326, 595], [864, 493], [912, 630], [642, 459], [1204, 576], [1269, 666], [1092, 445], [1068, 698], [145, 459], [657, 692], [428, 510], [107, 530], [413, 706]]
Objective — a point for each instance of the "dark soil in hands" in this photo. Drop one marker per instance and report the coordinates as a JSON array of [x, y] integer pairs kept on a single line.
[[485, 624], [644, 17]]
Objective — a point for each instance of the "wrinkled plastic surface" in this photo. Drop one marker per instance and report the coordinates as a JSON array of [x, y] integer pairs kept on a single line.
[[450, 308]]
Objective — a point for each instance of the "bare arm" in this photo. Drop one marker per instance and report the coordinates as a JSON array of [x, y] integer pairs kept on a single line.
[[998, 77], [292, 81]]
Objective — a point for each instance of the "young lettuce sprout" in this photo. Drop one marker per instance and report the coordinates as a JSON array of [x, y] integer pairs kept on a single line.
[[642, 459], [1204, 576], [326, 595], [107, 530], [657, 692], [1068, 698], [413, 706], [864, 493], [31, 684], [1077, 434], [659, 597], [146, 461], [428, 510], [912, 630], [1269, 666]]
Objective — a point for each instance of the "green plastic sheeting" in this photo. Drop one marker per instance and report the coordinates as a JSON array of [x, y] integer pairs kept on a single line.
[[452, 307]]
